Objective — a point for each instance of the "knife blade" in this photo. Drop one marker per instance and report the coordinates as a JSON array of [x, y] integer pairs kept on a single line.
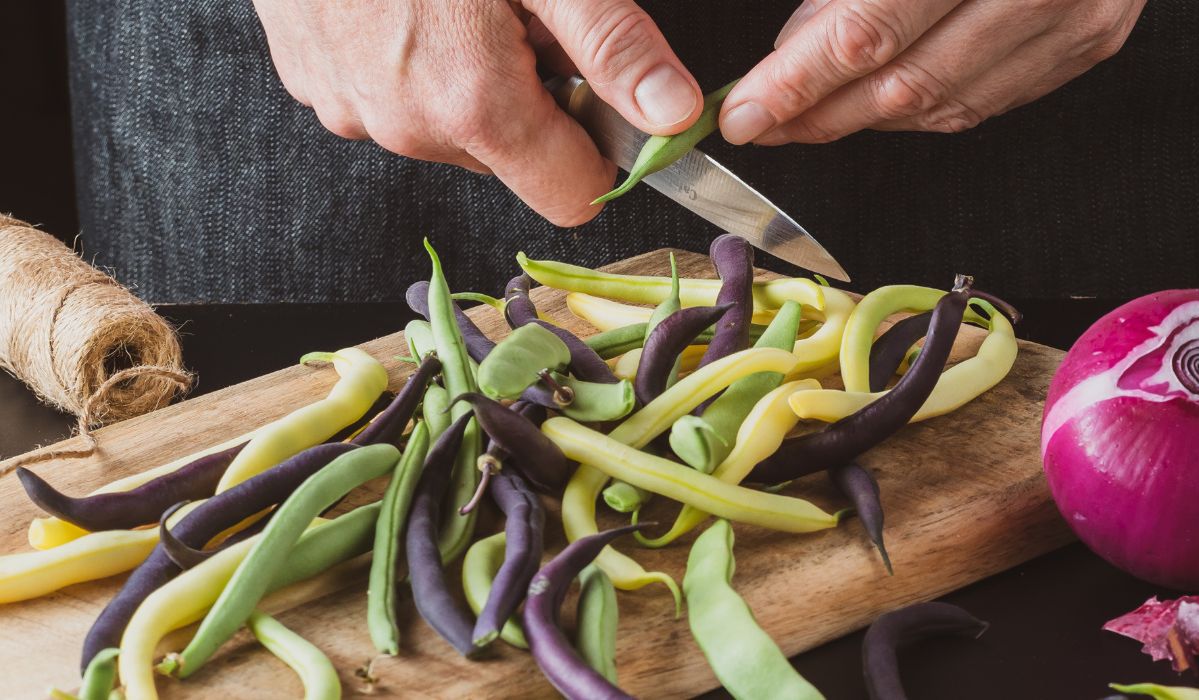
[[698, 183]]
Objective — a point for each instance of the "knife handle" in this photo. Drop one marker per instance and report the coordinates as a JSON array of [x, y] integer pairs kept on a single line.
[[567, 91]]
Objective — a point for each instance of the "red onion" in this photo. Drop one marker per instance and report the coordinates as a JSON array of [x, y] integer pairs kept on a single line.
[[1120, 438]]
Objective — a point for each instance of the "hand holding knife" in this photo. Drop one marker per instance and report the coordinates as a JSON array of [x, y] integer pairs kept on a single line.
[[698, 183]]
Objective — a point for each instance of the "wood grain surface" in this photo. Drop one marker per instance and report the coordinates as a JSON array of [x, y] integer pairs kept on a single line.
[[964, 498]]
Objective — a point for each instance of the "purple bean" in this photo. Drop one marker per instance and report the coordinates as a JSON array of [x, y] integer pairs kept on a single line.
[[531, 452], [888, 351], [733, 258], [477, 343], [664, 344], [184, 555], [124, 510], [353, 429], [180, 554], [523, 531], [209, 519], [851, 436], [552, 651], [430, 590], [585, 363], [389, 425], [857, 484], [900, 627]]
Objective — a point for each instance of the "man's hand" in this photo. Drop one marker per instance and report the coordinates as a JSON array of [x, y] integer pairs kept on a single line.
[[456, 82], [840, 66]]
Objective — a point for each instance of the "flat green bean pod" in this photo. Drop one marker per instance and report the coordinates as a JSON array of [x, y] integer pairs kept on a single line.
[[479, 567], [595, 623], [253, 576], [704, 441], [419, 335], [518, 360], [384, 576], [660, 152], [744, 658], [595, 402], [315, 670]]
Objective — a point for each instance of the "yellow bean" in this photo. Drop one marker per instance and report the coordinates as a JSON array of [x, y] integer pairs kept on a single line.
[[363, 378], [957, 385], [578, 501], [761, 433], [96, 555], [662, 476]]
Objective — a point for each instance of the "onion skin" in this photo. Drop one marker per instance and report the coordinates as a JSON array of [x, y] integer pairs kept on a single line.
[[1119, 440]]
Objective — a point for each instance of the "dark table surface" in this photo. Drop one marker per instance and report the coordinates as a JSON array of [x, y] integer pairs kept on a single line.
[[1044, 641]]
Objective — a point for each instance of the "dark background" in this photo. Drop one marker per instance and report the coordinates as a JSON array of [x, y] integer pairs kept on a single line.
[[1044, 640], [36, 181]]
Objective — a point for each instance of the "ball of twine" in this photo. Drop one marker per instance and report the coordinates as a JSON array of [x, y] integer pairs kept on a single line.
[[80, 340]]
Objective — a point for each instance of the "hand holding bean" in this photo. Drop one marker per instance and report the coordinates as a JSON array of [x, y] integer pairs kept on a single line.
[[840, 66], [457, 83]]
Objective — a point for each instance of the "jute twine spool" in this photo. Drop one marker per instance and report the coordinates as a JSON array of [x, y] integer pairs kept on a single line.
[[79, 339]]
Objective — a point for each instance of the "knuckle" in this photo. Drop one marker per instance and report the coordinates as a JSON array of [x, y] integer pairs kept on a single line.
[[906, 90], [860, 40], [789, 84], [620, 39], [340, 121], [1107, 28], [473, 127], [954, 119], [398, 140]]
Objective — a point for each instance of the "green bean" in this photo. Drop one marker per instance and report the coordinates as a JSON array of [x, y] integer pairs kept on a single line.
[[186, 598], [517, 361], [497, 304], [389, 538], [315, 670], [435, 411], [419, 335], [618, 341], [595, 623], [744, 658], [455, 532], [659, 152], [100, 675], [623, 497], [253, 576], [479, 567], [1157, 692], [595, 402], [704, 441]]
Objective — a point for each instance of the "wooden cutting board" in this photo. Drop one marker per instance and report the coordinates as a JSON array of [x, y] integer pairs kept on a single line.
[[964, 498]]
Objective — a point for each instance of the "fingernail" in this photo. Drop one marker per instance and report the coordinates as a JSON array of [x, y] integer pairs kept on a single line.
[[665, 97], [745, 123], [801, 15]]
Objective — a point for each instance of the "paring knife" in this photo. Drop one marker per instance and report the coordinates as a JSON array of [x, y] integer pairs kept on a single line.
[[698, 183]]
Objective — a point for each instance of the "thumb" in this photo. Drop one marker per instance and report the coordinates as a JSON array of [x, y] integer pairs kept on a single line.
[[623, 55]]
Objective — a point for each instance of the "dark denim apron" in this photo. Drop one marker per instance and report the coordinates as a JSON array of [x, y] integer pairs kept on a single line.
[[201, 180]]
